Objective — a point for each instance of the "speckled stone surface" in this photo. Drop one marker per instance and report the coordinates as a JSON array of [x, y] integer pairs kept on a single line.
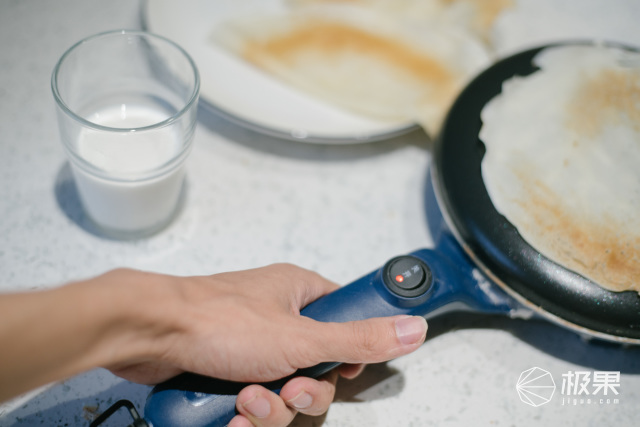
[[253, 200]]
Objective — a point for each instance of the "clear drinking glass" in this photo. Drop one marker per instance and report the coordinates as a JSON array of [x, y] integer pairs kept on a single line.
[[127, 106]]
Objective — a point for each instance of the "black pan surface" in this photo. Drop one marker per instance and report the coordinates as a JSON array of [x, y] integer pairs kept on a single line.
[[494, 243]]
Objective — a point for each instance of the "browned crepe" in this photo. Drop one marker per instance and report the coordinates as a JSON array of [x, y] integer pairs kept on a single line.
[[563, 161]]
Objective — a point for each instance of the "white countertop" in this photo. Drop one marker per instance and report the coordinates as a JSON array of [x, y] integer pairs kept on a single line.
[[253, 200]]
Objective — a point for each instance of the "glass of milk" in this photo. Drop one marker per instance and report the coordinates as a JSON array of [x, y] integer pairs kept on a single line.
[[126, 104]]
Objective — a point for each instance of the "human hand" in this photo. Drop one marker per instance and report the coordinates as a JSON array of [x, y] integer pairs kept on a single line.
[[246, 326], [242, 326]]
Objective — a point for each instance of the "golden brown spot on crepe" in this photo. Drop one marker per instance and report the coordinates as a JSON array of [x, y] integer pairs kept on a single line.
[[610, 98], [589, 246], [334, 39]]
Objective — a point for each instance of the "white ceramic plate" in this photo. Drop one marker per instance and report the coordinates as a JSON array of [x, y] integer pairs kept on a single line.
[[248, 96]]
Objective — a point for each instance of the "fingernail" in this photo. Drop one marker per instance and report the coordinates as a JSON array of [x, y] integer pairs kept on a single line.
[[411, 329], [302, 401], [259, 407]]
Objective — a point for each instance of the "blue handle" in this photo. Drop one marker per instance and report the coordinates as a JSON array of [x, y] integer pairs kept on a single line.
[[196, 401]]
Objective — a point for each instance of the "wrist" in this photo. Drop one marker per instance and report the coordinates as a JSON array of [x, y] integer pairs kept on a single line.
[[135, 313]]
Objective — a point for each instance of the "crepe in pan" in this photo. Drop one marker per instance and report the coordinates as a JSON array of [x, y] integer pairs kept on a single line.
[[562, 160]]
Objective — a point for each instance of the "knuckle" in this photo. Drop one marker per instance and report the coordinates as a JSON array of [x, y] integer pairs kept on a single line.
[[285, 267]]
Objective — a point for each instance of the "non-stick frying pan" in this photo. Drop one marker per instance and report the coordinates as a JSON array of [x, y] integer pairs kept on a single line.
[[495, 245], [480, 262]]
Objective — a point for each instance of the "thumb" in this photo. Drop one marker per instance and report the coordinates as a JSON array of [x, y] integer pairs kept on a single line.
[[369, 341]]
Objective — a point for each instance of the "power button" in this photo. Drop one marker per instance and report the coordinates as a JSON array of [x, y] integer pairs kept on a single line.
[[407, 276]]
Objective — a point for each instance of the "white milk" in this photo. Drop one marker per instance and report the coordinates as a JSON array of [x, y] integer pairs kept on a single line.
[[124, 195]]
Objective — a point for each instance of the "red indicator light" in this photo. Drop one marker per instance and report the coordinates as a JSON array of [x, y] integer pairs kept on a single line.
[[399, 278]]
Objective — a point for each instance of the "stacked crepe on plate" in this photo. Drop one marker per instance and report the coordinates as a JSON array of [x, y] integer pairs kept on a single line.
[[562, 160], [530, 23], [476, 16], [404, 61], [393, 61]]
